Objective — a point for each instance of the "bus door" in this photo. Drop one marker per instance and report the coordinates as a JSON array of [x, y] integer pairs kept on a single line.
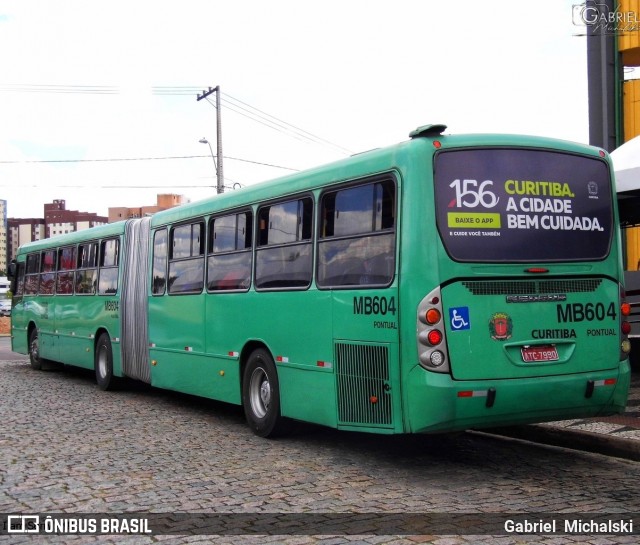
[[42, 309], [176, 309], [19, 343]]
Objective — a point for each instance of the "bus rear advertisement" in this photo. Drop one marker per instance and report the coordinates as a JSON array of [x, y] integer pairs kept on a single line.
[[445, 283]]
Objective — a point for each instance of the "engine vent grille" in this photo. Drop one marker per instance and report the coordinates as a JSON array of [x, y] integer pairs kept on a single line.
[[364, 393], [533, 287]]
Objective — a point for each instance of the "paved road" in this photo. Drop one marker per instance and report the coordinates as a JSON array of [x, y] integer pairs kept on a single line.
[[68, 447]]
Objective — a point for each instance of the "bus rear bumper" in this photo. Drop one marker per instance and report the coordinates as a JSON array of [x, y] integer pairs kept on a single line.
[[437, 403]]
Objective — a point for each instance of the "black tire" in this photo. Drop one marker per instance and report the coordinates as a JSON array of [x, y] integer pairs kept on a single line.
[[261, 395], [34, 350], [103, 363]]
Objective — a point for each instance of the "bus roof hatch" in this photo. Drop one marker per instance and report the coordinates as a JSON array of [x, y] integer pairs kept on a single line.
[[428, 130]]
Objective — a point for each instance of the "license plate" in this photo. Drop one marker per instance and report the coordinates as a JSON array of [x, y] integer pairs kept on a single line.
[[539, 353]]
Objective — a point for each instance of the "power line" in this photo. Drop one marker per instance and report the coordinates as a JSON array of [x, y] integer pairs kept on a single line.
[[128, 186], [279, 122], [119, 159], [75, 89], [234, 104]]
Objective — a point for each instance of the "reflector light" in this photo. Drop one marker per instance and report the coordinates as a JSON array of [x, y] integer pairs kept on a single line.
[[626, 328], [625, 309], [466, 393], [434, 337], [609, 381], [432, 316], [537, 270], [435, 300]]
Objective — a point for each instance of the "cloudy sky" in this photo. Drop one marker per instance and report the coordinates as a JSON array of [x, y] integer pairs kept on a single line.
[[98, 100]]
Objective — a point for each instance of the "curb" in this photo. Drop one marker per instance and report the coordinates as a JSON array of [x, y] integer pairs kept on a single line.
[[598, 443]]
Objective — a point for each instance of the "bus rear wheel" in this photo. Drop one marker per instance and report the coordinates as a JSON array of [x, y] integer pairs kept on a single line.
[[261, 395], [34, 350], [103, 363]]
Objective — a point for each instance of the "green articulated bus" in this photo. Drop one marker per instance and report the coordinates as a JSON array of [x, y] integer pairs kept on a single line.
[[445, 283]]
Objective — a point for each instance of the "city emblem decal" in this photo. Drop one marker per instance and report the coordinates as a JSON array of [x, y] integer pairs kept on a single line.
[[500, 326]]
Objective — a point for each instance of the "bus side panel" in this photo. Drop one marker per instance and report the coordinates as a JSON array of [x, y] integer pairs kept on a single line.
[[19, 326], [299, 338], [177, 340], [299, 346], [365, 332], [195, 374], [79, 318], [42, 313], [76, 347]]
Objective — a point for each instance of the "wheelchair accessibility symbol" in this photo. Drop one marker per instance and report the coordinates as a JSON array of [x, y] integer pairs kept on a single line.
[[459, 318]]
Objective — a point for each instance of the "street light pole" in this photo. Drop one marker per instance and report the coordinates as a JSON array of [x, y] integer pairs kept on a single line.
[[205, 141], [219, 141], [205, 94]]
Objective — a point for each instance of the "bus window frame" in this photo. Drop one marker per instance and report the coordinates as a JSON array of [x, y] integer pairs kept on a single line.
[[155, 260], [307, 244], [109, 268], [82, 268], [388, 177], [212, 254], [187, 259], [48, 272], [64, 272], [32, 277]]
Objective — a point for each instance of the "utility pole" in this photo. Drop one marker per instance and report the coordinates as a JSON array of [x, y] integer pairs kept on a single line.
[[205, 94]]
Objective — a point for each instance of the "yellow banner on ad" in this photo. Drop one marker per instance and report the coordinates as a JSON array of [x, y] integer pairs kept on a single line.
[[473, 220]]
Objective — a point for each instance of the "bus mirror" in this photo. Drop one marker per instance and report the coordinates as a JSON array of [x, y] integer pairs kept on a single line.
[[11, 273]]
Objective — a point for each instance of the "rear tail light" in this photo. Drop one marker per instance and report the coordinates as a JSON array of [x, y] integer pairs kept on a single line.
[[432, 352], [434, 337], [625, 326], [432, 316]]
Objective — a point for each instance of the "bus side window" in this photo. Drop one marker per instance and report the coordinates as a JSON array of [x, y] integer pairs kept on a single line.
[[18, 280], [229, 261], [186, 259], [47, 273], [109, 260], [66, 268], [87, 273], [284, 254], [159, 281], [32, 274], [357, 236]]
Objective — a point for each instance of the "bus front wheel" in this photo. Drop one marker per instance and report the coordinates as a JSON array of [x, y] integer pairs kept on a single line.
[[34, 350], [104, 363], [261, 395]]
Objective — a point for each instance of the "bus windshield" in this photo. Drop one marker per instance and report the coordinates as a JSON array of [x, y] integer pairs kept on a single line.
[[523, 205]]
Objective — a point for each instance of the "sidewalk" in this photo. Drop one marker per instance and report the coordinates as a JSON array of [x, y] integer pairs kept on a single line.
[[611, 435]]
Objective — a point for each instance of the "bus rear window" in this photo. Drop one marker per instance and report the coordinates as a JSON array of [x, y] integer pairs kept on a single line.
[[522, 205]]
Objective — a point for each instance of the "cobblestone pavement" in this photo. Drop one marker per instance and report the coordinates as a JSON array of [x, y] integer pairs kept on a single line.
[[625, 426], [67, 447], [617, 435]]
